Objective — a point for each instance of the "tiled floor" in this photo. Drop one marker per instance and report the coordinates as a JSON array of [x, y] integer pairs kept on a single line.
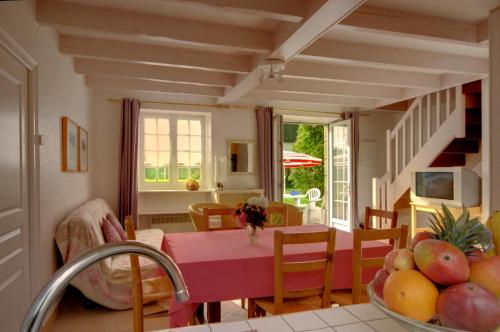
[[74, 317]]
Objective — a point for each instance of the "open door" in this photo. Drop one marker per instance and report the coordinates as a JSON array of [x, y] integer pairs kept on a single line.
[[339, 173]]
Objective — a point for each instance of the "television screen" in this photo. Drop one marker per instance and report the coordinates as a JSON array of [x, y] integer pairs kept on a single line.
[[434, 184]]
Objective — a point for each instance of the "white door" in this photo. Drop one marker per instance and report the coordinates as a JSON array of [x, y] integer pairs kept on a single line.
[[339, 138], [14, 198]]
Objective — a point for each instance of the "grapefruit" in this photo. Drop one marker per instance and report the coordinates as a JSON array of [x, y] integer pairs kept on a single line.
[[411, 294]]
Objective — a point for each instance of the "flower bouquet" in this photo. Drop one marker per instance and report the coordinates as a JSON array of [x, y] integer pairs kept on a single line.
[[252, 215]]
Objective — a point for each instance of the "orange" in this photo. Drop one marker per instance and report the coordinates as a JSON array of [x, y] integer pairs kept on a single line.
[[411, 294]]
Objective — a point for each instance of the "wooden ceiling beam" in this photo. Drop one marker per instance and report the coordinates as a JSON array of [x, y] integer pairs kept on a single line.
[[291, 40], [94, 67], [392, 57], [152, 27], [132, 84], [152, 54]]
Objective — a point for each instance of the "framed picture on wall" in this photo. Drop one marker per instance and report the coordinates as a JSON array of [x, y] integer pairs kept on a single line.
[[83, 147], [69, 145]]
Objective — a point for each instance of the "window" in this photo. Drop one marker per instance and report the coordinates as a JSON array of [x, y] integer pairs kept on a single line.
[[172, 150]]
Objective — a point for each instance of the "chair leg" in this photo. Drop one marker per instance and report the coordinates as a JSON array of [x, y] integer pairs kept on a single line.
[[251, 308]]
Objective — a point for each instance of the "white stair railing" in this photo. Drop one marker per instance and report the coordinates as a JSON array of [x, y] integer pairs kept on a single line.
[[425, 130]]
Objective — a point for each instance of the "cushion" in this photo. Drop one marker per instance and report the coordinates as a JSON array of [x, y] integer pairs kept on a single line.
[[116, 224], [109, 232]]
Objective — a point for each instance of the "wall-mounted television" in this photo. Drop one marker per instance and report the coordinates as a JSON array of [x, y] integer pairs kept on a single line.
[[456, 186]]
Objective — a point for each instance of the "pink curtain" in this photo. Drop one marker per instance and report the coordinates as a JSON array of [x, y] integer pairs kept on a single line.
[[265, 149], [128, 159]]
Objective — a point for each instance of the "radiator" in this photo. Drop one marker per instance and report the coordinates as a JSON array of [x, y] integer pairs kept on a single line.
[[169, 223], [170, 218]]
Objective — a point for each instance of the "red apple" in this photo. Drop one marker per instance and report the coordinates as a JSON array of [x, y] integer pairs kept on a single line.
[[419, 237], [399, 259], [475, 256], [379, 281], [441, 262], [470, 307]]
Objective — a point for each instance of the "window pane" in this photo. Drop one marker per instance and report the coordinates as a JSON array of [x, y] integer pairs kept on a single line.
[[150, 174], [183, 143], [183, 158], [195, 173], [163, 142], [163, 126], [195, 159], [163, 159], [163, 174], [182, 127], [150, 142], [182, 173], [149, 126], [150, 159], [195, 143], [195, 127]]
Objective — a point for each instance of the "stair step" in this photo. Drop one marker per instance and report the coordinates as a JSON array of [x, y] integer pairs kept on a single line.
[[473, 132], [463, 145], [473, 116], [449, 160], [472, 87]]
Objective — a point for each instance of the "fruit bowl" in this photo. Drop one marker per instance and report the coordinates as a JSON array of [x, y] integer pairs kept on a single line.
[[408, 323]]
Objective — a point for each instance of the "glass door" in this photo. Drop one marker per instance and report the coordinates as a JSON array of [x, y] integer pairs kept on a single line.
[[339, 148]]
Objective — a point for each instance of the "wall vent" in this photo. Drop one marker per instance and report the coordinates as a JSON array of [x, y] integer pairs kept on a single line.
[[170, 219]]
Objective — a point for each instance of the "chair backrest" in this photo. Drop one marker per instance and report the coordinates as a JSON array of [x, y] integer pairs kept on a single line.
[[207, 212], [281, 267], [137, 295], [313, 195], [391, 216], [294, 214], [277, 216], [359, 262], [196, 214]]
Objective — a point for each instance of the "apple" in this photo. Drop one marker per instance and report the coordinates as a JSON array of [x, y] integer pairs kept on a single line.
[[470, 307], [441, 262], [379, 281], [419, 237], [399, 259]]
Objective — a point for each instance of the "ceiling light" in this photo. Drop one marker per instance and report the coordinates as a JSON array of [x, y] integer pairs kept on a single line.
[[271, 68]]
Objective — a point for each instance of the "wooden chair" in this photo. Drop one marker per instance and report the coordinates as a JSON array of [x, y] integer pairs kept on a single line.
[[391, 216], [144, 291], [222, 212], [274, 212], [358, 293], [286, 300], [196, 213]]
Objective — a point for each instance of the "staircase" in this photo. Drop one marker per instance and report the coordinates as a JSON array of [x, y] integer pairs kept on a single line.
[[438, 130]]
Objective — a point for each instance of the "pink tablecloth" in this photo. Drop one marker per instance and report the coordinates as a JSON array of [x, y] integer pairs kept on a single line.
[[219, 266]]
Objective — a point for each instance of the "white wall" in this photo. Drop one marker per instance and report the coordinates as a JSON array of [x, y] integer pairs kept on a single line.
[[372, 154], [60, 93], [237, 124]]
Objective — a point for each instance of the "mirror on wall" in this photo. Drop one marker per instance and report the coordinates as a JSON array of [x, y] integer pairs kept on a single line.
[[241, 157]]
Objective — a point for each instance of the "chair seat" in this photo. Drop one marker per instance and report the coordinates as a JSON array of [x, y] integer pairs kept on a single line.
[[290, 305], [344, 296]]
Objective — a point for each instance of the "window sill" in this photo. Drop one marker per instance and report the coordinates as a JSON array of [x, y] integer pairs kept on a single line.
[[145, 191]]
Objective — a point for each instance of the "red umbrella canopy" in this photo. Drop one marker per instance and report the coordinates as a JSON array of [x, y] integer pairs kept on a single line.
[[293, 159]]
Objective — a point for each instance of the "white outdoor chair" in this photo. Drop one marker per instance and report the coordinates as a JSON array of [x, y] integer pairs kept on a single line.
[[313, 195]]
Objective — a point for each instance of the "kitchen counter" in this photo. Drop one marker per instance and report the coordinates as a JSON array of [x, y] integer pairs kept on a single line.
[[354, 318]]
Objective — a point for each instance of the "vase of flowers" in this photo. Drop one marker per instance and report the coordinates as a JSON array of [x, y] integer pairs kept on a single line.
[[252, 216]]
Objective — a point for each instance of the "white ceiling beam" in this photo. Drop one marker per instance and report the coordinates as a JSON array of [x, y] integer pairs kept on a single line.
[[289, 44], [379, 19], [152, 54], [258, 95], [373, 76], [154, 27], [158, 73], [392, 57], [131, 84], [283, 10], [333, 88]]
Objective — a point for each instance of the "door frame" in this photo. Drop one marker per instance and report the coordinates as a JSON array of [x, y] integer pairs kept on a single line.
[[34, 140]]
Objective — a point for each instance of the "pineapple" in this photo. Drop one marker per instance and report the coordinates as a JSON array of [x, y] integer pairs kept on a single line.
[[464, 233]]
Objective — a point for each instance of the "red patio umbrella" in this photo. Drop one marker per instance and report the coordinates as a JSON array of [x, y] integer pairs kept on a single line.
[[293, 159]]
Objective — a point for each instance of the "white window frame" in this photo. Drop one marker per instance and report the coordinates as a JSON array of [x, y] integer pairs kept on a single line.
[[173, 116]]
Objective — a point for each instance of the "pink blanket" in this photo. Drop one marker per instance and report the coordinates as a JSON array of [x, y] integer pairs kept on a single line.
[[223, 265]]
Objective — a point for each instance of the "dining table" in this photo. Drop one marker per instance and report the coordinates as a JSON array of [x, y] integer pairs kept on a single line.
[[223, 265]]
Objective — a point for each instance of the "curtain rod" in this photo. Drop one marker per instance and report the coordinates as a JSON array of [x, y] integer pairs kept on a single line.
[[232, 107]]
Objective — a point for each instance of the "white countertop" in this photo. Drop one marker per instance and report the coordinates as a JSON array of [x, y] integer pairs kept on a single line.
[[354, 318]]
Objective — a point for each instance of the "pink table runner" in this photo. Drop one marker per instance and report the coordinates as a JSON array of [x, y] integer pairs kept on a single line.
[[220, 266]]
